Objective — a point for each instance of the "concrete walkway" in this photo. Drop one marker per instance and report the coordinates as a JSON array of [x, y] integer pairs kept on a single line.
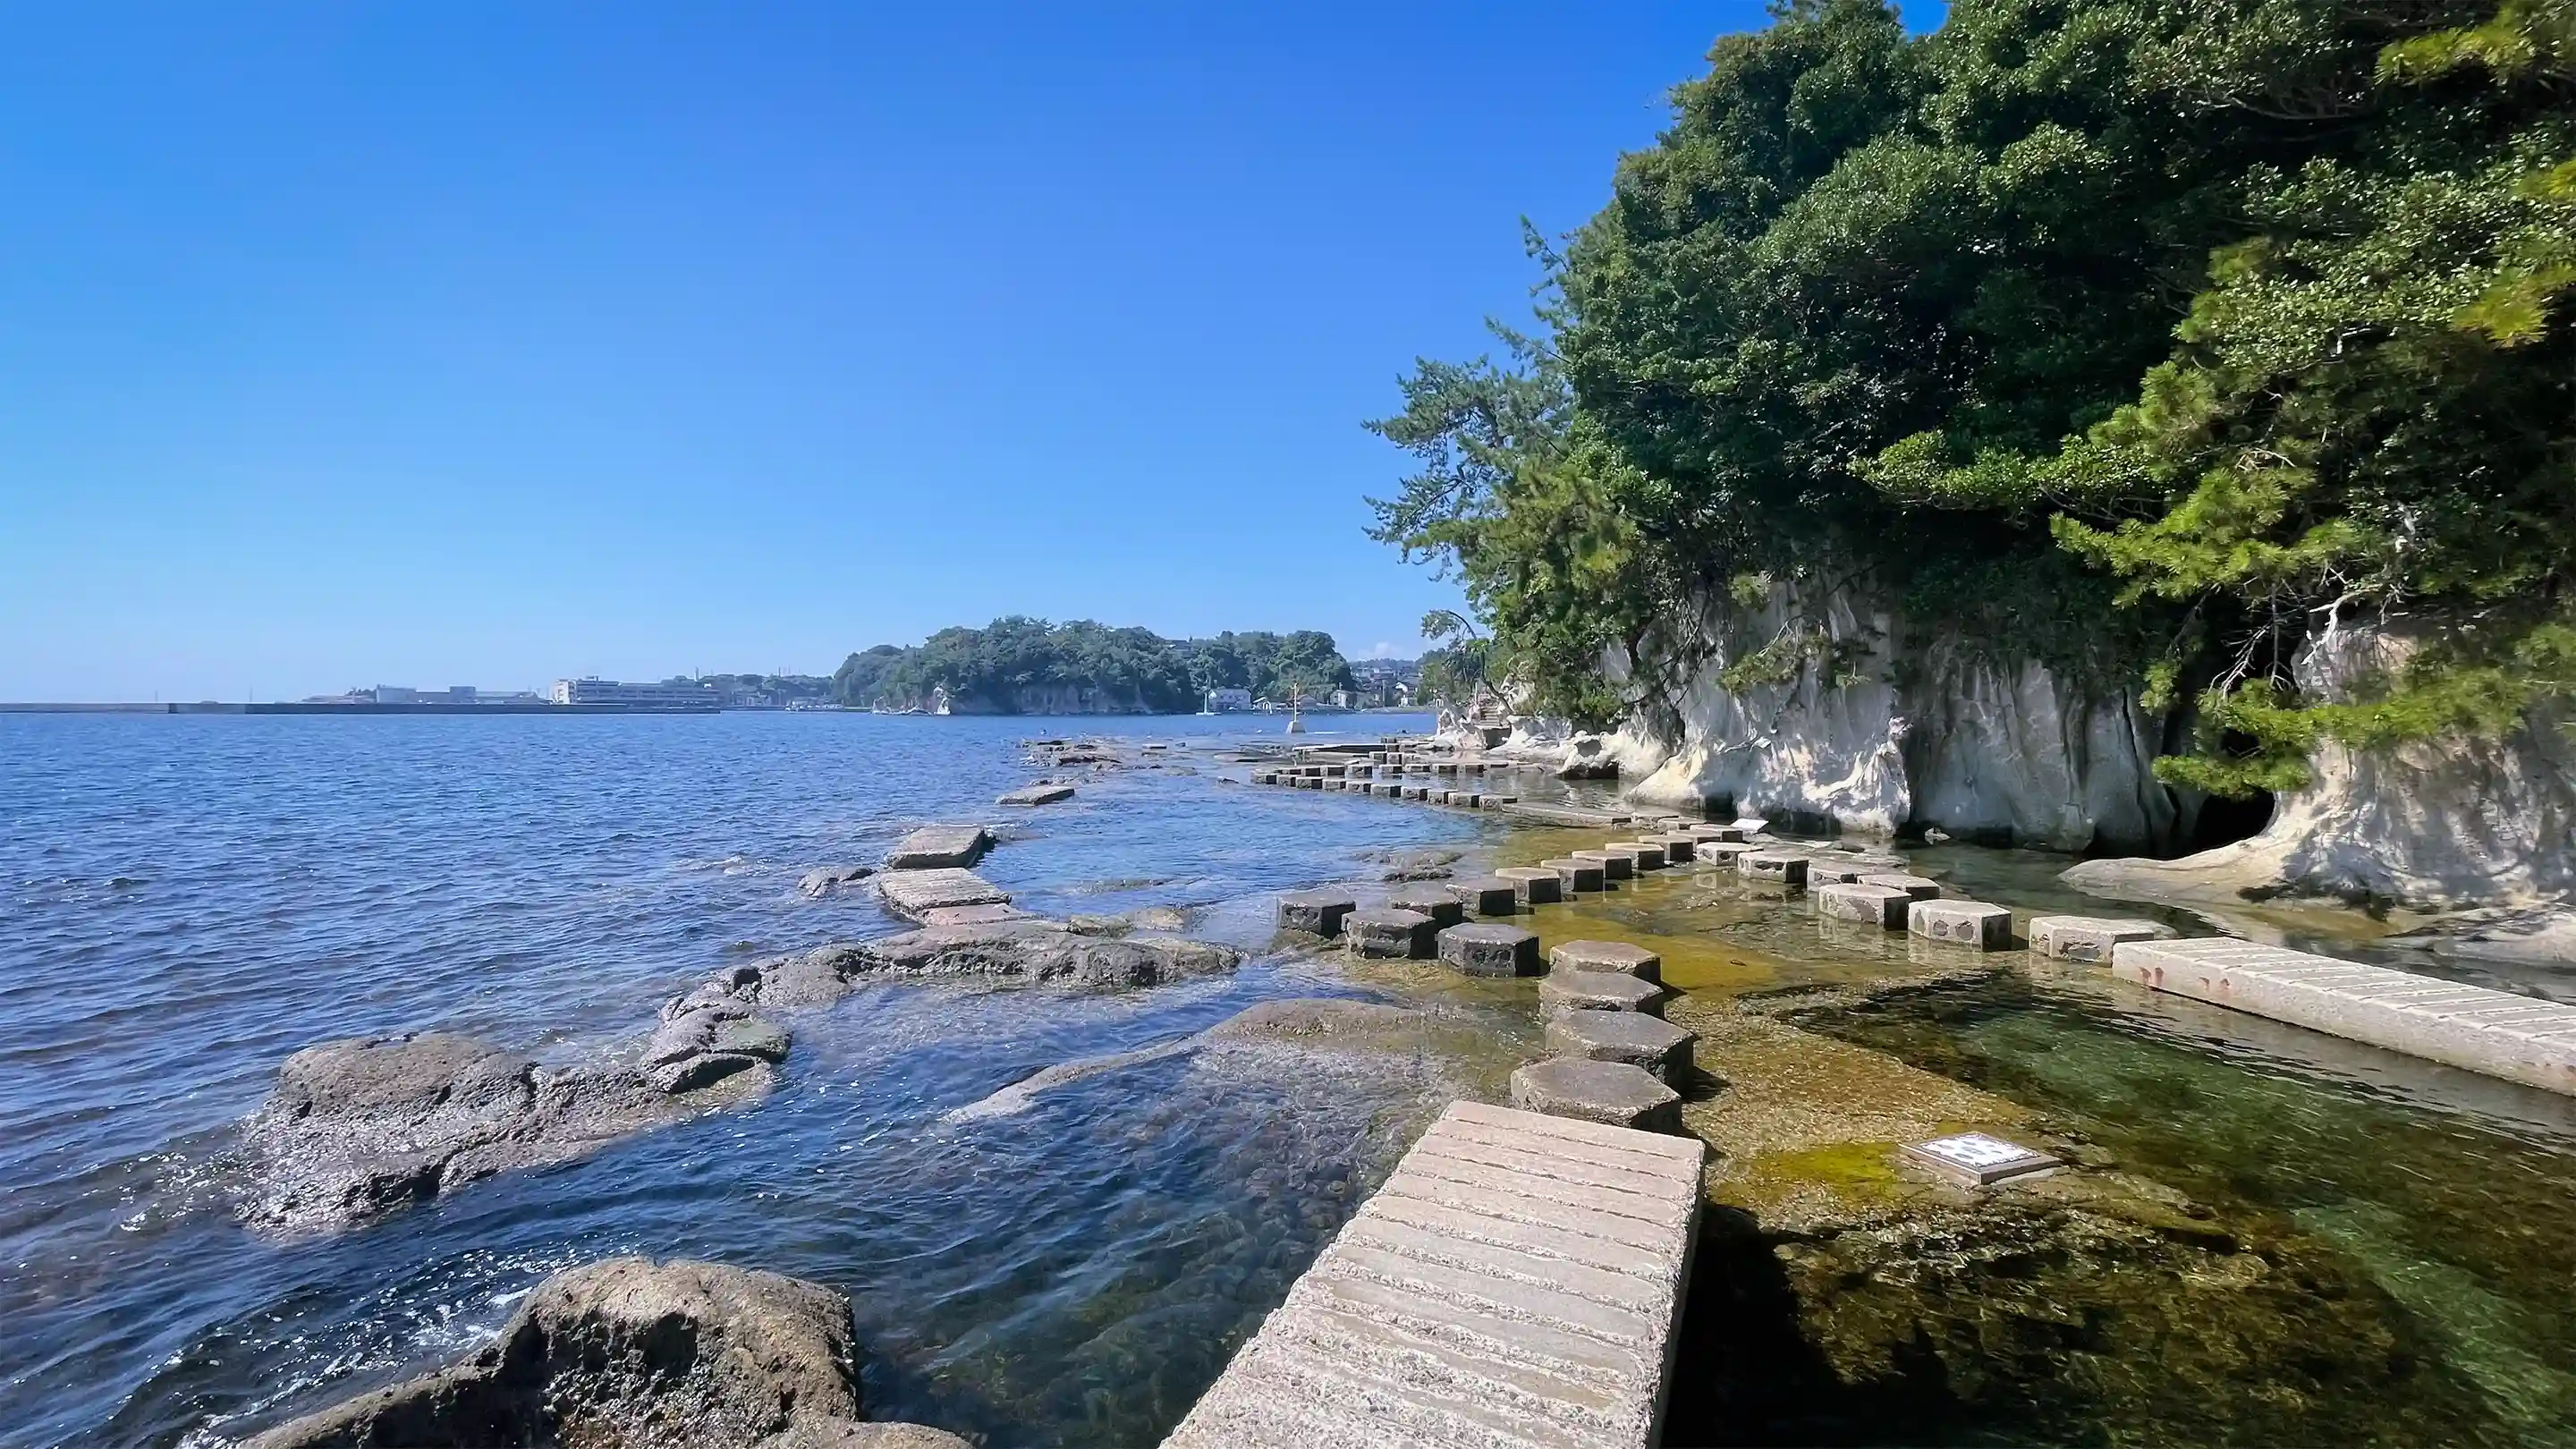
[[1517, 1282], [2519, 1038]]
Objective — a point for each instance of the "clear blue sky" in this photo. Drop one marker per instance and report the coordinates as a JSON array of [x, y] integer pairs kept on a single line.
[[449, 343]]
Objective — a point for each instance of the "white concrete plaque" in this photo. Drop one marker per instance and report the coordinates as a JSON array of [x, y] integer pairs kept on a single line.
[[1977, 1159]]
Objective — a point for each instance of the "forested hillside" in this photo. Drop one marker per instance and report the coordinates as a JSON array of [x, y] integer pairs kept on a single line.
[[2149, 338], [1018, 659]]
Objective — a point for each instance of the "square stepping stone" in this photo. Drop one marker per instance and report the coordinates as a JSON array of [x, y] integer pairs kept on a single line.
[[1318, 913], [1389, 934], [1913, 885], [1647, 1042], [911, 893], [1490, 950], [1495, 801], [1536, 885], [1599, 991], [1976, 1160], [1882, 906], [1577, 875], [1614, 956], [1773, 867], [1417, 792], [1962, 923], [1830, 870], [1679, 845], [1642, 855], [1615, 864], [2088, 938], [1433, 900], [933, 846], [1612, 1093], [1486, 895], [1716, 834]]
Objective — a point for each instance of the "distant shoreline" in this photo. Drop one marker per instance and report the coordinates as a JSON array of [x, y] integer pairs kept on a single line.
[[210, 706]]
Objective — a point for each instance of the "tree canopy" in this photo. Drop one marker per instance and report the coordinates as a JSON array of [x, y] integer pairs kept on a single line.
[[2150, 338], [1134, 668]]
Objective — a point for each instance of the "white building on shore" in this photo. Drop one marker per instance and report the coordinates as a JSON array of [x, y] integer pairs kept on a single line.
[[675, 694]]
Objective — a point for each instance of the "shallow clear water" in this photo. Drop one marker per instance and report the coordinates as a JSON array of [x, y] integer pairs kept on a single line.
[[186, 900]]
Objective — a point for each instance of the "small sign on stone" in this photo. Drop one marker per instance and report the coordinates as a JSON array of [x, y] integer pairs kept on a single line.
[[1977, 1160]]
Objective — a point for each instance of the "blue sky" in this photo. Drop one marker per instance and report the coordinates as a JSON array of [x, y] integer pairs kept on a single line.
[[446, 343]]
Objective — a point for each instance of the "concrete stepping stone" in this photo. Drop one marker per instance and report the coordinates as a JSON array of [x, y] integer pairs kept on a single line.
[[1679, 845], [1641, 854], [1599, 991], [1536, 885], [1881, 906], [1913, 885], [1035, 795], [1725, 854], [1486, 895], [1619, 957], [1577, 875], [1317, 913], [1417, 792], [1614, 1094], [1496, 802], [1648, 1042], [913, 893], [1434, 901], [1715, 834], [1830, 870], [1490, 950], [1614, 864], [1773, 867], [1962, 923], [933, 846], [2088, 938], [1389, 934]]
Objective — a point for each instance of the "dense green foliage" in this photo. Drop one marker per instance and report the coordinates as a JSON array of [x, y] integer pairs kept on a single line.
[[1118, 668], [2151, 338]]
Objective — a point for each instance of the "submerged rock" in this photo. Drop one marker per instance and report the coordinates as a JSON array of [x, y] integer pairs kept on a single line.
[[1412, 865], [357, 1129], [627, 1354], [824, 880], [1028, 949]]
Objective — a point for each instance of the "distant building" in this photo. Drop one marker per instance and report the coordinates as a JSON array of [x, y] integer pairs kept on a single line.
[[1219, 701], [679, 694], [394, 694], [460, 694]]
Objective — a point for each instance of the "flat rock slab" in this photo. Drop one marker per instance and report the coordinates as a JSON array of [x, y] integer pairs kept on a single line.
[[984, 915], [1318, 913], [1614, 1094], [1035, 795], [1881, 906], [1389, 934], [1535, 885], [1619, 957], [2519, 1038], [1490, 950], [1434, 901], [914, 893], [2089, 938], [1643, 1041], [1973, 1159], [822, 880], [1514, 1285], [1599, 991], [937, 845], [1486, 895], [1973, 924], [1575, 875], [1614, 864]]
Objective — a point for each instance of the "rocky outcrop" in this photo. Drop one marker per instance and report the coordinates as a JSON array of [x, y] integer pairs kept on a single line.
[[2437, 825], [632, 1354], [1024, 949], [823, 880], [1875, 723], [358, 1129]]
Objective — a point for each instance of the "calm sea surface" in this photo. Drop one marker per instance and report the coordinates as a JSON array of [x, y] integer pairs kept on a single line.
[[184, 901]]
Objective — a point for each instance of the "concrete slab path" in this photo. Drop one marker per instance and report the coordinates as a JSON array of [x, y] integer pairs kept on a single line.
[[1514, 1285]]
